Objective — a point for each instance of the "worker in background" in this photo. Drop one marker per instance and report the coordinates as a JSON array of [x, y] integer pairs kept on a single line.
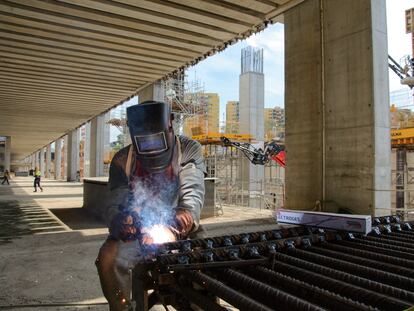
[[37, 176], [6, 177], [157, 182]]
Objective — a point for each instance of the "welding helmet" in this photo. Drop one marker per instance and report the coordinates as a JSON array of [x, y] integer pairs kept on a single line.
[[152, 134]]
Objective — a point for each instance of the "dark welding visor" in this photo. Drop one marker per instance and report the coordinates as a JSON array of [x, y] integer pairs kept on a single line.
[[150, 144]]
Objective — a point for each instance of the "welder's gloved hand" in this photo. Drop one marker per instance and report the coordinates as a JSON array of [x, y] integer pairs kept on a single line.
[[185, 221], [125, 226]]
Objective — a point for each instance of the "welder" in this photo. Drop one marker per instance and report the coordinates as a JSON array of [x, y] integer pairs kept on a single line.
[[156, 182]]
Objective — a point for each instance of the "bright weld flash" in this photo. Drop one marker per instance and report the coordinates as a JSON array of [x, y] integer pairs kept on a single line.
[[160, 234]]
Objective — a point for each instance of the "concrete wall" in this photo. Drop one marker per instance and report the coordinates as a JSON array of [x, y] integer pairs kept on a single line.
[[337, 110]]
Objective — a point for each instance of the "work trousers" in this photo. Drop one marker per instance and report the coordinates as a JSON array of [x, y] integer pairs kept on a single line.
[[37, 183], [115, 262]]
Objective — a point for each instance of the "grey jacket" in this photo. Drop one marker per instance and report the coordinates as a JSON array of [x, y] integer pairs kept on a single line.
[[189, 163]]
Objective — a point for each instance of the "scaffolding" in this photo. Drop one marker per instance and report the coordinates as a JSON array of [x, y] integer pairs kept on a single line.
[[186, 98], [225, 164]]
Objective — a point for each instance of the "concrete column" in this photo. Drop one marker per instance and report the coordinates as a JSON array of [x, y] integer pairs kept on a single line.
[[99, 138], [58, 158], [251, 108], [38, 159], [64, 157], [33, 161], [48, 167], [154, 91], [72, 155], [87, 151], [42, 161], [7, 155], [337, 109]]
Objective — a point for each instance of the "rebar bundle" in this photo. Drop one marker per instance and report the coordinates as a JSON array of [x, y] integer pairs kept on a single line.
[[299, 268]]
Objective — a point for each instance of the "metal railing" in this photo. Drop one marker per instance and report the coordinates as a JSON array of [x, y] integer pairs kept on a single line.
[[255, 194]]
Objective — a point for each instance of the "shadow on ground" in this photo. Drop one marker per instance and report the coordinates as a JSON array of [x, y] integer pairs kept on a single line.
[[77, 219], [24, 218]]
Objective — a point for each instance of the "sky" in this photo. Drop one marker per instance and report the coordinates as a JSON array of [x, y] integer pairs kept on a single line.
[[220, 73]]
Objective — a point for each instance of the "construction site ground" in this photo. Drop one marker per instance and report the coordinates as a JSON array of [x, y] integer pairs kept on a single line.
[[48, 245]]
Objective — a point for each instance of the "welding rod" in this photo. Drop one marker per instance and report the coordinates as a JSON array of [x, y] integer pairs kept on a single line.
[[225, 292], [355, 287]]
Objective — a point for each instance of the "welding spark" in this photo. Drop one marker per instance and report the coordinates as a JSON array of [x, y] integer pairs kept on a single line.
[[159, 234]]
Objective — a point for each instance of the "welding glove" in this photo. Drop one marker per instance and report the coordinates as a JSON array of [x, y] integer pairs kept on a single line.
[[124, 226], [184, 221]]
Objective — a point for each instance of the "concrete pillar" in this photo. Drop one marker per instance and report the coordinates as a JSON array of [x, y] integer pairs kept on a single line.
[[42, 161], [87, 151], [58, 159], [337, 109], [65, 158], [99, 139], [48, 167], [38, 159], [7, 155], [72, 155], [154, 91], [33, 161], [251, 109]]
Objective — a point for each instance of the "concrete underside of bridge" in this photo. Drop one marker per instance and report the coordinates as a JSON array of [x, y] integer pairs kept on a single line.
[[64, 62]]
